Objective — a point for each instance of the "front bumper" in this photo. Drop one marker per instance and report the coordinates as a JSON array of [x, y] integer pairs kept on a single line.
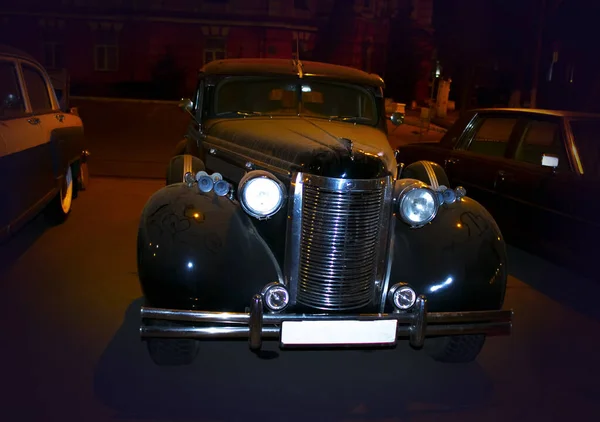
[[256, 325]]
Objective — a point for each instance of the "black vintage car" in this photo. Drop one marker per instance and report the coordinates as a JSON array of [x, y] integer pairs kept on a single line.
[[287, 217], [536, 171]]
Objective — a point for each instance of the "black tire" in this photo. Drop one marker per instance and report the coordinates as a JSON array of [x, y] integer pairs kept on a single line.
[[427, 172], [59, 208], [180, 165], [82, 179], [455, 349], [172, 352]]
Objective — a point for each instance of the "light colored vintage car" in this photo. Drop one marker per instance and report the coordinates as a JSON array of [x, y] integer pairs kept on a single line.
[[43, 160]]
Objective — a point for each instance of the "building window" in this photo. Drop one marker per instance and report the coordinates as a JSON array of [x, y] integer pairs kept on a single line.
[[54, 55], [214, 49], [106, 58], [106, 49]]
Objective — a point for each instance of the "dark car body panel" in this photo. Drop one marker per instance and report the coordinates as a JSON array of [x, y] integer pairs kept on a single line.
[[220, 258], [550, 212]]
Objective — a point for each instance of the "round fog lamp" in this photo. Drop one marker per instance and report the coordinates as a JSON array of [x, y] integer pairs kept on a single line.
[[276, 296], [403, 297]]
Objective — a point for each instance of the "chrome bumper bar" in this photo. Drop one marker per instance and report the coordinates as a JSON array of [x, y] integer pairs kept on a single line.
[[256, 326]]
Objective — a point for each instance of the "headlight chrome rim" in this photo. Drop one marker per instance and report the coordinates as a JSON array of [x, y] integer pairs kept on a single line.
[[252, 176], [267, 294], [404, 196]]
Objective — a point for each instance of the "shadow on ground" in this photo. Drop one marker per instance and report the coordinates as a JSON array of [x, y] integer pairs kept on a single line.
[[558, 283], [227, 382], [14, 246]]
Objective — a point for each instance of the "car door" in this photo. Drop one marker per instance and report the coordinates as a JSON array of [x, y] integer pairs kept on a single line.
[[480, 153], [537, 185], [41, 154], [18, 130]]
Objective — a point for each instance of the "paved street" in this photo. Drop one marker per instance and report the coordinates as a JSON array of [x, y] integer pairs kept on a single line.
[[72, 352]]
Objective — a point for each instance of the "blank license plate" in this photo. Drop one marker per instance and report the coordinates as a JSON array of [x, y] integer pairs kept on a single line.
[[296, 333]]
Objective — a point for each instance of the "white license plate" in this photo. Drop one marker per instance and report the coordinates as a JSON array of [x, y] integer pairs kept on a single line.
[[300, 333]]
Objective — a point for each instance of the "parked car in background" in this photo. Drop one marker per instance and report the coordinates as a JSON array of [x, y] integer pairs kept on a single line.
[[284, 218], [536, 171], [42, 148]]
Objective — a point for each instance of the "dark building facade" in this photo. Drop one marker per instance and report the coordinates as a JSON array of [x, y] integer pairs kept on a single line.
[[153, 48]]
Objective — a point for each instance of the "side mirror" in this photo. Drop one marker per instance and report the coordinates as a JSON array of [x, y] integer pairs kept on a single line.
[[397, 118], [549, 160], [186, 105]]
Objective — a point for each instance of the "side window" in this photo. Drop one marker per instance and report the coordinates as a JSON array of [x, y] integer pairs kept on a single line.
[[541, 137], [11, 97], [37, 89], [491, 135]]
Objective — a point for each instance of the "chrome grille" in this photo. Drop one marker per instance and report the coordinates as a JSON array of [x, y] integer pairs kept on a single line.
[[340, 244]]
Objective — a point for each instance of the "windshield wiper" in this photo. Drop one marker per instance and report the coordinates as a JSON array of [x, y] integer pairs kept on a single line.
[[353, 119], [250, 113], [243, 113]]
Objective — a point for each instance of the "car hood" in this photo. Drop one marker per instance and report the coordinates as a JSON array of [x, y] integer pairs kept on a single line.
[[316, 146]]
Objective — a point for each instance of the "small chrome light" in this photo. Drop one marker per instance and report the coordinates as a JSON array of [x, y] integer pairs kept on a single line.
[[222, 188], [205, 182], [402, 296], [276, 296], [449, 196]]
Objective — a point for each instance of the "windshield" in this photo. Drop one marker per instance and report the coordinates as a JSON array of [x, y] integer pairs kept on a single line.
[[587, 139], [246, 97]]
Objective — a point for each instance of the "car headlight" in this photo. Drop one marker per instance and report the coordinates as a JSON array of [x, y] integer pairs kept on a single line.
[[418, 204], [261, 194]]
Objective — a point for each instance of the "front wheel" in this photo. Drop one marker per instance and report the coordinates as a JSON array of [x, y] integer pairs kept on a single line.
[[455, 349]]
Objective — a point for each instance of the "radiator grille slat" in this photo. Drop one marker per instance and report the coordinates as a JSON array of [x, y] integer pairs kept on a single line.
[[339, 240]]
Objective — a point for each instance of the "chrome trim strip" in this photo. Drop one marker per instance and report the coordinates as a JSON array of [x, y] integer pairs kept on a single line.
[[344, 185], [415, 325], [386, 235], [277, 318], [294, 230], [389, 255], [431, 173], [571, 147]]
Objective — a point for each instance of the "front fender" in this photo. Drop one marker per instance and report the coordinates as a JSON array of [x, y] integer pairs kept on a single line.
[[458, 260], [200, 251]]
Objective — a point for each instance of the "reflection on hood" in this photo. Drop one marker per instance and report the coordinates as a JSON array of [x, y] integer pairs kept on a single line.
[[318, 146]]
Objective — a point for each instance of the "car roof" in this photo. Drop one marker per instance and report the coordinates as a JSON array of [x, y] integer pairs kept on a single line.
[[7, 50], [538, 111], [288, 67]]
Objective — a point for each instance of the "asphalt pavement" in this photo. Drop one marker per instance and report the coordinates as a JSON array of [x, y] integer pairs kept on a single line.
[[71, 349]]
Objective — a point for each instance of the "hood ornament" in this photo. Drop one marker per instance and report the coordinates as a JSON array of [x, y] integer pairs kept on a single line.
[[349, 145]]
